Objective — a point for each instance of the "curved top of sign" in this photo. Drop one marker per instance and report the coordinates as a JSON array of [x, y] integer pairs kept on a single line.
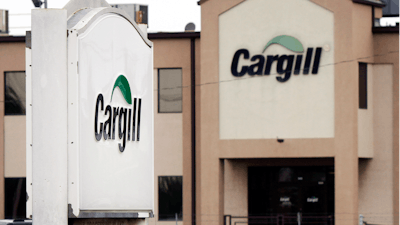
[[82, 19], [74, 6]]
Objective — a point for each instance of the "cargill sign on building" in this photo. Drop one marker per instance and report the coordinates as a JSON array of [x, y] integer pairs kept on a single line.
[[91, 115]]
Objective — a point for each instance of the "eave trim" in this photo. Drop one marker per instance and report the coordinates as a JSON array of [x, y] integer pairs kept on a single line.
[[371, 3], [12, 38], [201, 2], [174, 35]]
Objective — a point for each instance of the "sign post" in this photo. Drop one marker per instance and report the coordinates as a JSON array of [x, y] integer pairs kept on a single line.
[[92, 117], [49, 117]]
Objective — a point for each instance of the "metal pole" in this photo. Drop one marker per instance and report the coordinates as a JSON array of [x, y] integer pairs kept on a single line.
[[193, 124], [176, 218], [45, 4]]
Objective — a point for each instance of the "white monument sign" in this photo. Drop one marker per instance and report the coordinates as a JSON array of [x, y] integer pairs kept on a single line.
[[110, 163], [111, 124]]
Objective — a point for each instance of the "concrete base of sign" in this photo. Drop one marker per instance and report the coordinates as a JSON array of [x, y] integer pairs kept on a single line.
[[116, 221]]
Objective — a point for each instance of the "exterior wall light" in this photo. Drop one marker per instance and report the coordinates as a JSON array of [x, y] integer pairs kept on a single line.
[[38, 3]]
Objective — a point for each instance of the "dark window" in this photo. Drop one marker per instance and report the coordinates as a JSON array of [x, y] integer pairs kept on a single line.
[[170, 198], [362, 86], [14, 89], [15, 198], [169, 90]]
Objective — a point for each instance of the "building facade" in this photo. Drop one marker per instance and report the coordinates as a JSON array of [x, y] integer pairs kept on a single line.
[[282, 111], [300, 114]]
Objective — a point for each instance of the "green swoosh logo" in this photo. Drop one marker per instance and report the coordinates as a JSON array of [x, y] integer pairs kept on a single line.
[[288, 42], [122, 83]]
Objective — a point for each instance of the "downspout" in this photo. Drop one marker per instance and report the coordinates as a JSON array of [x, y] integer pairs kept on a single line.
[[193, 124]]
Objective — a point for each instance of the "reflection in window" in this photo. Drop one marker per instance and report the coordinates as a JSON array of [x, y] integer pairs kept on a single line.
[[285, 174], [15, 198], [14, 93], [170, 198], [170, 90]]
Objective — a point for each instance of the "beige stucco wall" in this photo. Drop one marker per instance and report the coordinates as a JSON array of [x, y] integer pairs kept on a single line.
[[12, 58], [168, 140], [386, 50], [172, 130], [366, 120], [235, 188], [375, 179], [167, 146], [14, 146]]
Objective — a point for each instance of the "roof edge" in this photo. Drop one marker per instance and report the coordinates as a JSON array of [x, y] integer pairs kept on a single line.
[[371, 3], [173, 35], [12, 38], [385, 30], [201, 2]]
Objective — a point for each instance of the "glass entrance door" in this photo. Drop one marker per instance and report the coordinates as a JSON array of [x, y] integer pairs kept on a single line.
[[290, 194]]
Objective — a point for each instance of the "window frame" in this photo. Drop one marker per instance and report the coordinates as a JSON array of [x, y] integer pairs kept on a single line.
[[158, 185], [5, 84], [158, 88], [362, 86]]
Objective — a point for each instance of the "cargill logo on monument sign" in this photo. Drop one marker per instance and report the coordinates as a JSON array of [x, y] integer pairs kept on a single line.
[[128, 118]]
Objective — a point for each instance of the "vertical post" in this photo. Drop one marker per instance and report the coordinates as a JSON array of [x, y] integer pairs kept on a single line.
[[176, 218], [28, 88], [49, 116]]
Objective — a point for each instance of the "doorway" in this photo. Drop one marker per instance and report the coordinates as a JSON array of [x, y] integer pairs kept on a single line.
[[291, 195]]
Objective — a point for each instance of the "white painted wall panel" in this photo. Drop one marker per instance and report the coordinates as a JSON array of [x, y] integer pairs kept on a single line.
[[28, 85], [366, 119], [49, 116]]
